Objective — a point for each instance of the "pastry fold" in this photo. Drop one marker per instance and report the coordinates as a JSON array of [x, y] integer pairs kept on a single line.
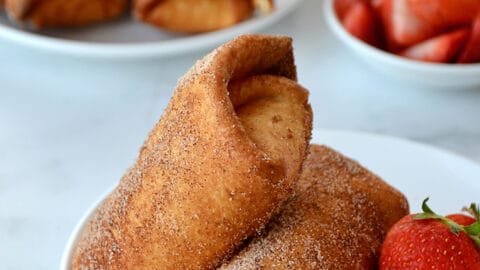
[[195, 16], [223, 157], [336, 219], [64, 13]]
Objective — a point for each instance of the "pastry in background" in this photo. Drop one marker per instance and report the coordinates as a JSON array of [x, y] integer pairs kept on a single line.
[[64, 13], [223, 157], [336, 219], [263, 6], [196, 16]]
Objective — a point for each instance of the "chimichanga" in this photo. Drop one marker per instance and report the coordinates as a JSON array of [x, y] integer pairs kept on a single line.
[[336, 219], [195, 16], [223, 157], [60, 13]]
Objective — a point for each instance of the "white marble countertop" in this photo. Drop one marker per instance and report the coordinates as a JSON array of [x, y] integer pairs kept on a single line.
[[69, 128]]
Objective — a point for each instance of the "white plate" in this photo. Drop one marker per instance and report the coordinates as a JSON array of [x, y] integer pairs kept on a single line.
[[415, 169], [126, 38]]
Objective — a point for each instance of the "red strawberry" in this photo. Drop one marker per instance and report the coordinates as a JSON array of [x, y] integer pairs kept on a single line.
[[402, 26], [430, 241], [376, 4], [343, 6], [471, 53], [360, 21], [441, 49], [446, 13], [461, 219]]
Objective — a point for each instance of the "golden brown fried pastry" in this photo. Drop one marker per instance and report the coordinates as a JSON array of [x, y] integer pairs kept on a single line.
[[223, 157], [52, 13], [336, 219], [194, 16], [264, 6]]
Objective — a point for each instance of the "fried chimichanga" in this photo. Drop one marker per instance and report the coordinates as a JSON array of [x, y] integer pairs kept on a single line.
[[223, 157], [195, 16], [64, 13], [336, 219]]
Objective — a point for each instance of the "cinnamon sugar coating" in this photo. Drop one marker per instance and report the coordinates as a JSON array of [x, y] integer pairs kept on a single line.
[[60, 13], [336, 219], [223, 157]]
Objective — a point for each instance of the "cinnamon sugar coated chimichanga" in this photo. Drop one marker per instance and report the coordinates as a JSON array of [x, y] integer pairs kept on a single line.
[[196, 16], [62, 13], [223, 157], [337, 219]]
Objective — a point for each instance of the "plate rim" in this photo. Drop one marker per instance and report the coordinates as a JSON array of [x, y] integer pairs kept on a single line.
[[401, 140], [140, 50]]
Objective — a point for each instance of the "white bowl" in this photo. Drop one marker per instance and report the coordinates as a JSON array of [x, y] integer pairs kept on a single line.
[[438, 76]]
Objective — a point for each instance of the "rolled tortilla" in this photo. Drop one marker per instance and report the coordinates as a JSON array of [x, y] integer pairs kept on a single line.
[[195, 16], [336, 219], [61, 13], [223, 157]]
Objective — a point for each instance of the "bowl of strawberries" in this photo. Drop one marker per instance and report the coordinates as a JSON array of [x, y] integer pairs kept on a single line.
[[433, 43]]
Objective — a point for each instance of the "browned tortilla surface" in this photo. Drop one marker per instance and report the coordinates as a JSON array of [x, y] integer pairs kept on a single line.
[[336, 219], [64, 13], [221, 160], [195, 16]]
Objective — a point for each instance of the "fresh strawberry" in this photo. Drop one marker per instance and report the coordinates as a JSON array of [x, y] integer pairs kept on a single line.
[[461, 219], [343, 6], [446, 13], [430, 241], [471, 53], [402, 26], [441, 49], [376, 4], [361, 22]]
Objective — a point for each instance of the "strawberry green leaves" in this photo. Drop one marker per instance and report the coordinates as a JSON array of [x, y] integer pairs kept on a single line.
[[472, 230]]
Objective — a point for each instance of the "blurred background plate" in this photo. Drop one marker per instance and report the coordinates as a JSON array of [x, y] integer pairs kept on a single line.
[[128, 38]]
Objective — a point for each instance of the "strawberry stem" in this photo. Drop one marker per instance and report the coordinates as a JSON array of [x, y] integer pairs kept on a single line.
[[473, 230]]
